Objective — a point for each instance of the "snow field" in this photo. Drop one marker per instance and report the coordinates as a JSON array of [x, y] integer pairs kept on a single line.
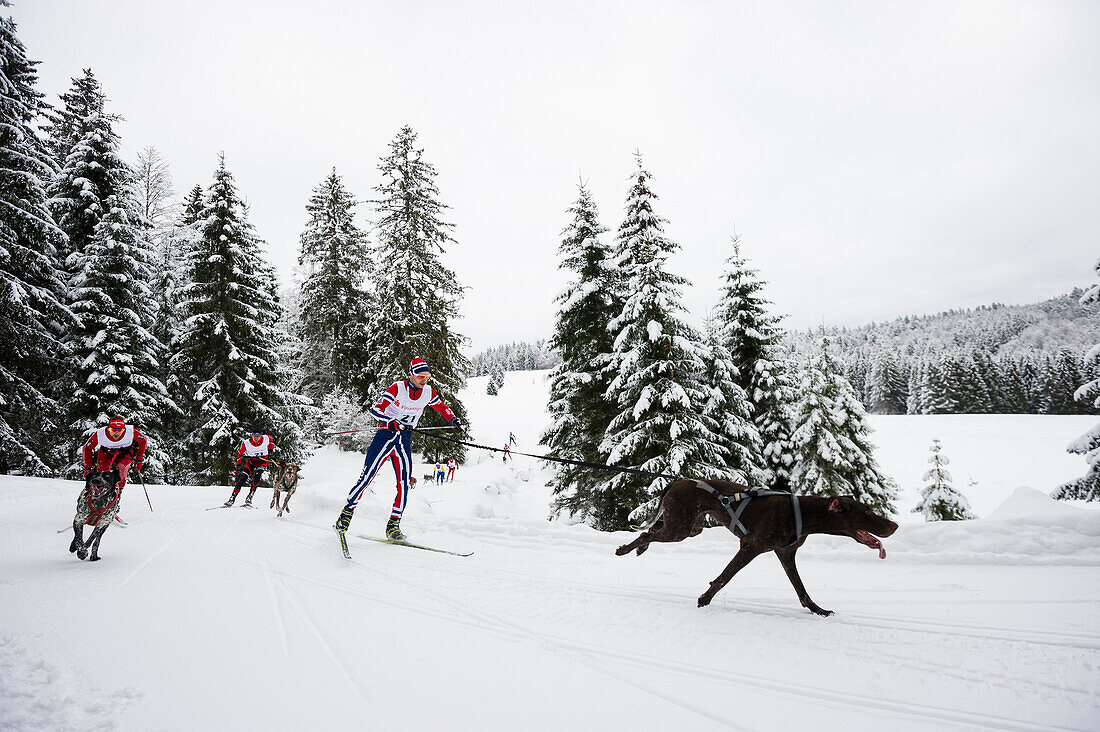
[[233, 619]]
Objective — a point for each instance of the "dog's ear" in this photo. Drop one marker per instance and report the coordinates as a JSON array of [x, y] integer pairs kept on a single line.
[[836, 505]]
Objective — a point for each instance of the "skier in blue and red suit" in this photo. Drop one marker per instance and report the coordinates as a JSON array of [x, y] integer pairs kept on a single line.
[[398, 409]]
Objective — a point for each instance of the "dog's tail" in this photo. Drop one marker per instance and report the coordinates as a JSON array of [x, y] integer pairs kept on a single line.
[[655, 505]]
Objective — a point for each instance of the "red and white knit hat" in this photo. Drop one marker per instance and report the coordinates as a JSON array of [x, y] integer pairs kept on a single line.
[[419, 366]]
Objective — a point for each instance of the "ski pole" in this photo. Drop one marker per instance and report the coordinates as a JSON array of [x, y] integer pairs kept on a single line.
[[142, 481]]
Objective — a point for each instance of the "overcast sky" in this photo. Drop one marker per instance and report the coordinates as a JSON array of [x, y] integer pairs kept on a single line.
[[877, 158]]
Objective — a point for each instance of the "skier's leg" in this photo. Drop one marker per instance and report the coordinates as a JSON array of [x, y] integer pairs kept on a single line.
[[377, 454], [256, 473], [242, 475], [403, 452]]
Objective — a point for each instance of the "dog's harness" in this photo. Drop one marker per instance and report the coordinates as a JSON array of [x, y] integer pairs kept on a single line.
[[734, 505], [95, 514]]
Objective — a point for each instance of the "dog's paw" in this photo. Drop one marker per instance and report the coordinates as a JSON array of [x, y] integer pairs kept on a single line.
[[704, 599], [94, 558]]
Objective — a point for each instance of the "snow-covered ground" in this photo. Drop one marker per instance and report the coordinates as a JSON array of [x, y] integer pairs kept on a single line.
[[236, 620]]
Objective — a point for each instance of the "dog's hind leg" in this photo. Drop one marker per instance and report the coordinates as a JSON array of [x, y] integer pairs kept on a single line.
[[743, 557], [786, 558]]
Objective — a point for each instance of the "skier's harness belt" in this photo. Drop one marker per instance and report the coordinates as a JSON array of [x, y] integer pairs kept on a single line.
[[734, 505]]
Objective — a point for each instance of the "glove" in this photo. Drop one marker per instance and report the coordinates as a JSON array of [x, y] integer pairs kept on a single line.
[[136, 467], [88, 471], [459, 423], [393, 425]]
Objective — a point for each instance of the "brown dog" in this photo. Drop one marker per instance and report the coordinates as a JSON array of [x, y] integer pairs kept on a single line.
[[769, 523], [286, 480]]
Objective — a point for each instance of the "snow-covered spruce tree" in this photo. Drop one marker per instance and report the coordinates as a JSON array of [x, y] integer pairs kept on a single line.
[[656, 365], [1087, 487], [228, 345], [727, 404], [579, 413], [886, 388], [939, 501], [335, 256], [417, 294], [115, 357], [32, 291], [754, 341], [831, 449]]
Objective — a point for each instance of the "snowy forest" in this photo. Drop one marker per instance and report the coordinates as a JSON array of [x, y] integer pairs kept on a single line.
[[121, 298]]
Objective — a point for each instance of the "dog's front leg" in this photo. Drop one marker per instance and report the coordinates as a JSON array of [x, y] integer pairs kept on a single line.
[[745, 555], [786, 558], [93, 540], [78, 535], [274, 498]]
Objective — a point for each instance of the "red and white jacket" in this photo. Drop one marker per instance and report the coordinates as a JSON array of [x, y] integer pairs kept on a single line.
[[250, 449], [132, 444], [404, 403]]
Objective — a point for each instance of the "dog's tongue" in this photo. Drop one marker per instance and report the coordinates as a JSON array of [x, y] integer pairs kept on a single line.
[[872, 541]]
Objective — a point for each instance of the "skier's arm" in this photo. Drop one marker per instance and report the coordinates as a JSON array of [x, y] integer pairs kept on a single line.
[[378, 411], [140, 443], [444, 411], [240, 454], [89, 451]]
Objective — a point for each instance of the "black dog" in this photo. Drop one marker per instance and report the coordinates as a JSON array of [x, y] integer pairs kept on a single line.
[[770, 525], [96, 506]]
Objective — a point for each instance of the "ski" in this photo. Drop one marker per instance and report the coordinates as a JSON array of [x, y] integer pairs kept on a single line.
[[415, 546], [215, 508], [343, 542], [245, 505]]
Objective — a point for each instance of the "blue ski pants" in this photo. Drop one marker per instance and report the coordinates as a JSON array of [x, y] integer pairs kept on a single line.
[[386, 445]]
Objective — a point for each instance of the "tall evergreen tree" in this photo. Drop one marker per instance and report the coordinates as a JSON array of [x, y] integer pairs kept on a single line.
[[656, 365], [1087, 487], [754, 340], [116, 359], [579, 413], [832, 453], [331, 305], [228, 345], [79, 188], [887, 385], [417, 294], [939, 501], [31, 287], [727, 404]]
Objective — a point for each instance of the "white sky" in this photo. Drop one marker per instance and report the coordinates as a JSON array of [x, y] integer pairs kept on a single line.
[[877, 158]]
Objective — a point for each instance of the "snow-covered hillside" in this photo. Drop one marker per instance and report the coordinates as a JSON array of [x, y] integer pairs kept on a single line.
[[236, 620]]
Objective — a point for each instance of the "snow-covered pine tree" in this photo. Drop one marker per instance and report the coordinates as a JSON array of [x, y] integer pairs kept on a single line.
[[335, 256], [655, 369], [228, 345], [939, 501], [831, 449], [115, 357], [579, 413], [727, 404], [417, 294], [886, 385], [1087, 487], [32, 290], [493, 387], [754, 341]]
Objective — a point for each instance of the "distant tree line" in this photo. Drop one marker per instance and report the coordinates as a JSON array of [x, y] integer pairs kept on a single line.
[[998, 359], [520, 356]]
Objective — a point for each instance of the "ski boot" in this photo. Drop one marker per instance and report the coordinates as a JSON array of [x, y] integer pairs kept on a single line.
[[344, 521], [248, 499], [229, 503], [393, 530]]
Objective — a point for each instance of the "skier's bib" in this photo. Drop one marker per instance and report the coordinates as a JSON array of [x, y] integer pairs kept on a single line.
[[404, 408], [260, 450], [126, 440]]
